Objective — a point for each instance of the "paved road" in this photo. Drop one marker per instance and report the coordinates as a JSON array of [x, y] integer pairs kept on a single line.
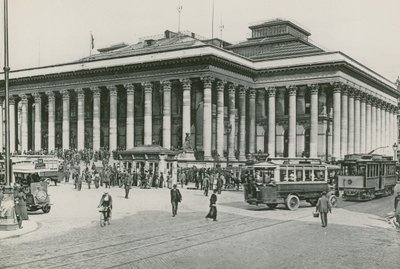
[[144, 235]]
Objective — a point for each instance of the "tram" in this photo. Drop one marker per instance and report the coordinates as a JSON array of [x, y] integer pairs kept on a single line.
[[289, 180], [366, 176]]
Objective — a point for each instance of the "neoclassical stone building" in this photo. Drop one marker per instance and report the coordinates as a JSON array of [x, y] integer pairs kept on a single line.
[[274, 93]]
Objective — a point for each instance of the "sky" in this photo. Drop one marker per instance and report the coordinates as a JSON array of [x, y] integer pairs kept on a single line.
[[47, 32]]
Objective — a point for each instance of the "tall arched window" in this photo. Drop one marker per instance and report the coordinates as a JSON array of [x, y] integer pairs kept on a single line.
[[307, 142], [286, 143]]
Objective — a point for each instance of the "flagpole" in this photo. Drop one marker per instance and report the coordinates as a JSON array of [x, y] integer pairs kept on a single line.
[[212, 21], [90, 44]]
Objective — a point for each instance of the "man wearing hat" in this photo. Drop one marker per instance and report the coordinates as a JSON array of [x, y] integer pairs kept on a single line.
[[396, 200], [323, 207], [176, 198]]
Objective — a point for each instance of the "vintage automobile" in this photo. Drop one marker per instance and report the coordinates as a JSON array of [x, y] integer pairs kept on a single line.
[[289, 180], [35, 187]]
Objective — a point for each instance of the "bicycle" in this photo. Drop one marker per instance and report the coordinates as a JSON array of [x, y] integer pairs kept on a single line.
[[103, 219]]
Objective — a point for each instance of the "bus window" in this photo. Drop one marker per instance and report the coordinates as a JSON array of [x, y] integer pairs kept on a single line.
[[284, 176], [299, 175], [308, 175]]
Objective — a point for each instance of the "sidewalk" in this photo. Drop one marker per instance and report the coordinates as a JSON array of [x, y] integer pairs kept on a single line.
[[27, 227]]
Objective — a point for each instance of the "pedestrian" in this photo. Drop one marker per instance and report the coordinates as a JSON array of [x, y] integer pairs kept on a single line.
[[183, 178], [206, 184], [396, 200], [79, 182], [161, 180], [212, 214], [176, 198], [22, 204], [127, 185], [323, 207], [88, 179]]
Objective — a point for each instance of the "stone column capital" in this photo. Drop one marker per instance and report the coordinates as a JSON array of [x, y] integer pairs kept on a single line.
[[357, 94], [186, 83], [65, 94], [80, 92], [231, 88], [147, 86], [37, 96], [166, 84], [207, 81], [11, 100], [314, 88], [252, 93], [337, 87], [292, 90], [129, 87], [242, 91], [24, 98], [112, 89], [350, 91], [363, 97], [50, 95], [96, 91], [221, 85], [271, 91]]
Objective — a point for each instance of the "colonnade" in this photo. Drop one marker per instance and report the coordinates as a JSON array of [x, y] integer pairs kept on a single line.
[[357, 121]]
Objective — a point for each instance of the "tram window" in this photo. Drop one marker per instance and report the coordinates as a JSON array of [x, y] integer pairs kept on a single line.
[[361, 170], [291, 175], [308, 175], [319, 175]]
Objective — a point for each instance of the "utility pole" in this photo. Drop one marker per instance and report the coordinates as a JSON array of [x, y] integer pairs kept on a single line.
[[8, 222]]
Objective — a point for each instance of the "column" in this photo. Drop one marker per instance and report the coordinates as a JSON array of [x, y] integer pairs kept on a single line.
[[207, 117], [373, 124], [242, 124], [80, 133], [24, 123], [350, 123], [368, 123], [271, 121], [1, 123], [148, 113], [314, 122], [166, 127], [65, 122], [357, 123], [260, 119], [186, 112], [388, 129], [252, 121], [344, 122], [337, 89], [96, 117], [51, 120], [363, 120], [292, 121], [113, 117], [383, 127], [378, 124], [220, 118], [38, 121], [11, 105], [130, 115], [232, 120]]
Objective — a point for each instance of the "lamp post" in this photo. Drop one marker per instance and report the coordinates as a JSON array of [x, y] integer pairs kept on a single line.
[[8, 220], [228, 130], [395, 151]]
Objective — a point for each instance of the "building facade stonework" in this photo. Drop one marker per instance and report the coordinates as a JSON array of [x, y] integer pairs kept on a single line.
[[275, 93]]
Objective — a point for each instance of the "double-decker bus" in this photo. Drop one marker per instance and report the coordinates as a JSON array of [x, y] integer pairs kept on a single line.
[[289, 180], [366, 176]]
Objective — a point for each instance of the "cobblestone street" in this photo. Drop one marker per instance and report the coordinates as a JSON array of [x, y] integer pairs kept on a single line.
[[144, 235]]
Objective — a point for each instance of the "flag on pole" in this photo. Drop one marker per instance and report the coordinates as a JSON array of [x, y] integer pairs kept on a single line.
[[91, 41]]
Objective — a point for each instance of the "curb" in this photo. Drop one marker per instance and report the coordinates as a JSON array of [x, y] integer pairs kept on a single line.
[[28, 226]]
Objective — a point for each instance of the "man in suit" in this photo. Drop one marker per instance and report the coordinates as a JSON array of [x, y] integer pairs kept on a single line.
[[212, 214], [323, 207], [176, 198]]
